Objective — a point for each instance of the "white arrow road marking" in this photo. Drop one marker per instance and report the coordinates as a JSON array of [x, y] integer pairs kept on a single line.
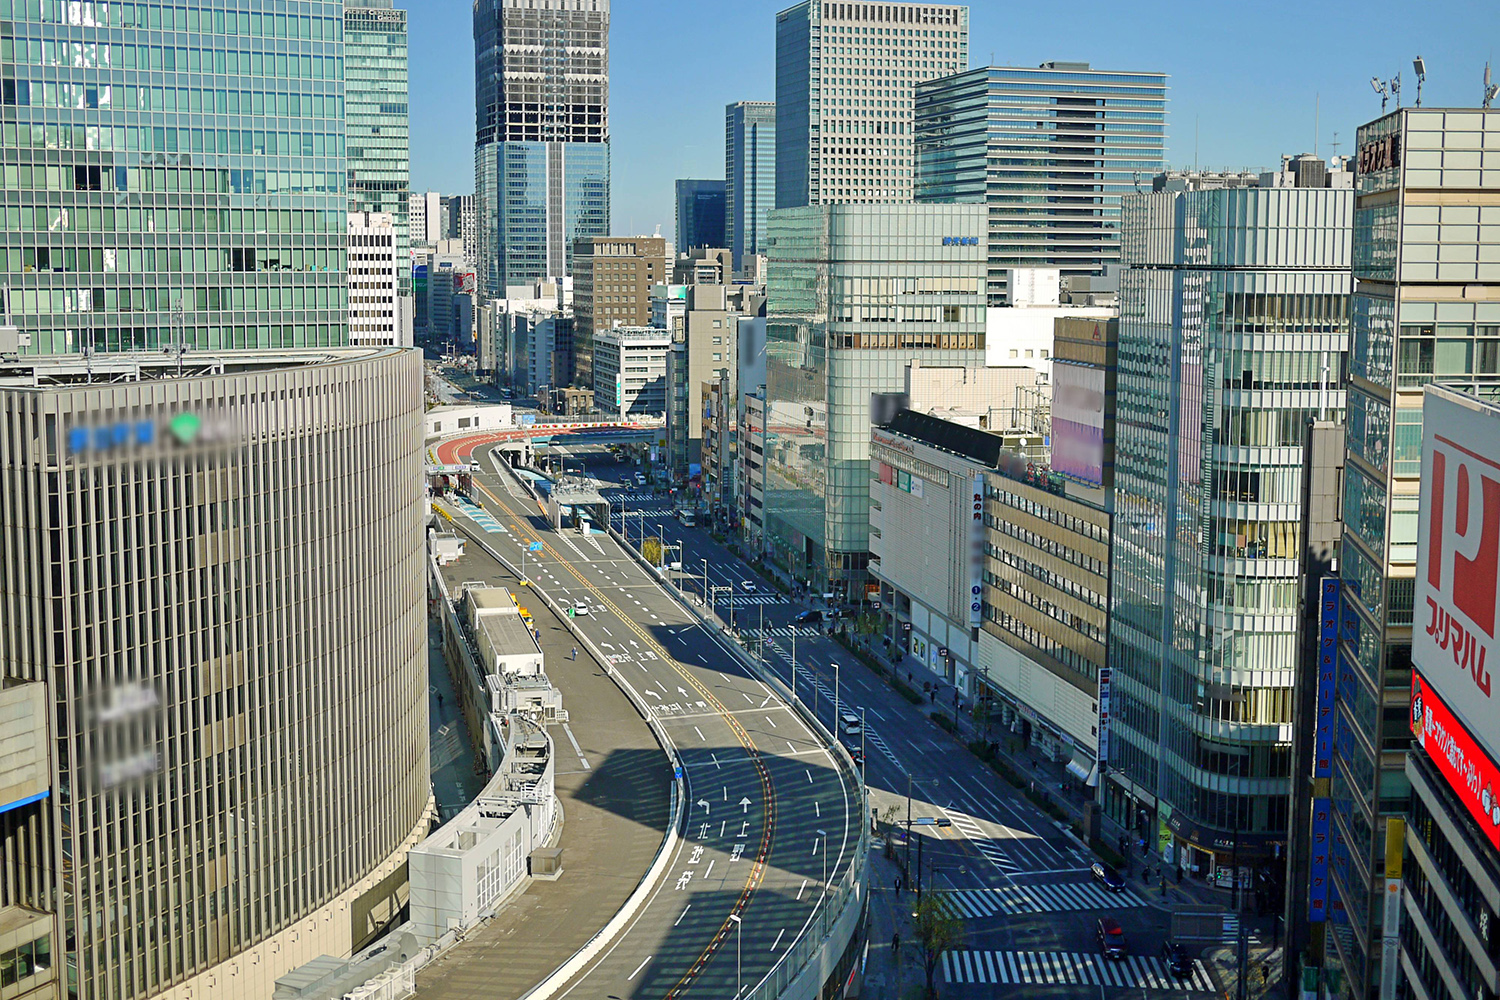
[[704, 804], [744, 806]]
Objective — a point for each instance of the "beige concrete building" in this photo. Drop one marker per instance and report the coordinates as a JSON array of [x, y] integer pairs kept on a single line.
[[612, 279], [213, 603]]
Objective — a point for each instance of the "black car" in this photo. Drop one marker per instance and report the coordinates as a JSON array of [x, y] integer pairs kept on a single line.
[[1108, 877], [809, 618], [1176, 958], [1111, 938]]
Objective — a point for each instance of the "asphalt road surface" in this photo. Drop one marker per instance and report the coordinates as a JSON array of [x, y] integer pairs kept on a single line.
[[770, 821], [1020, 883]]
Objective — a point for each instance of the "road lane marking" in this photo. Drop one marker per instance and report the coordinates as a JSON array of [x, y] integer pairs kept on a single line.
[[638, 968], [700, 734], [771, 721], [679, 918], [800, 888], [778, 938]]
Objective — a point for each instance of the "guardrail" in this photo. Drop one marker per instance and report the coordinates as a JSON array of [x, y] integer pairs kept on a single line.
[[591, 948], [836, 916]]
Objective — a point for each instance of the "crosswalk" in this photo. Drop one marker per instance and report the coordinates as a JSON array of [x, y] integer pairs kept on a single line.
[[657, 511], [1231, 932], [786, 631], [636, 498], [982, 841], [1010, 899], [750, 600], [1046, 968], [479, 516]]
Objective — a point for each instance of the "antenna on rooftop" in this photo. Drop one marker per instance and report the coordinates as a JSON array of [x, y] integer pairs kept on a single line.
[[1421, 70], [1490, 89], [1378, 85]]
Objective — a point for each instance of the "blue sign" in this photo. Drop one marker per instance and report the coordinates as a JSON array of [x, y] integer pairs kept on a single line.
[[1328, 653], [527, 419], [535, 547], [1317, 882], [960, 241]]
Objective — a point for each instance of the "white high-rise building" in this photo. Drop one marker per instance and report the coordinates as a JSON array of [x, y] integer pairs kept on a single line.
[[845, 76], [374, 299], [424, 217]]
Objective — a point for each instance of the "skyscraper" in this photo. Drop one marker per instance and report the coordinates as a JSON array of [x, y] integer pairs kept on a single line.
[[376, 119], [845, 73], [1426, 309], [136, 227], [854, 294], [1051, 150], [1234, 315], [700, 214], [541, 155], [749, 176]]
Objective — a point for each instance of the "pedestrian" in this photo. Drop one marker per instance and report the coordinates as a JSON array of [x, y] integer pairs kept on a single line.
[[575, 652], [898, 885], [896, 946]]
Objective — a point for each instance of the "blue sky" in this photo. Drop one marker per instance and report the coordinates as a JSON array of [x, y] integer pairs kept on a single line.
[[1246, 75]]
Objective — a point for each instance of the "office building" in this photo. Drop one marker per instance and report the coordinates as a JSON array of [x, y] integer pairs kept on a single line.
[[459, 222], [1426, 309], [450, 284], [541, 153], [424, 218], [216, 738], [1447, 890], [703, 350], [612, 281], [749, 176], [375, 302], [719, 433], [115, 259], [630, 373], [1234, 315], [375, 113], [855, 293], [1021, 332], [709, 265], [700, 214], [1050, 150], [845, 78]]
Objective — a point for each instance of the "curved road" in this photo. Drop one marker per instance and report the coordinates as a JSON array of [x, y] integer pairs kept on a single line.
[[771, 818]]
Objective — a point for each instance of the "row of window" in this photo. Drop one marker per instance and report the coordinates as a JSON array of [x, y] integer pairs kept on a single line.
[[161, 139], [157, 260], [246, 221], [165, 17], [1041, 641], [106, 57], [35, 302]]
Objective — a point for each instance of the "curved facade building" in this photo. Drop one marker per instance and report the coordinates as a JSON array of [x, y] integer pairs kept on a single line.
[[212, 601]]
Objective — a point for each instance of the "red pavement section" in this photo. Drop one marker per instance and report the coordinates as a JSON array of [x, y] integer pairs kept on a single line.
[[458, 450]]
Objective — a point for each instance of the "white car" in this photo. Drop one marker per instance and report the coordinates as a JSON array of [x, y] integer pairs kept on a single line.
[[580, 608], [748, 586]]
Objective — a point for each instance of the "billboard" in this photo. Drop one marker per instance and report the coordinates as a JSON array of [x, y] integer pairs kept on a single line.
[[1078, 422], [1470, 772], [976, 553], [1457, 600]]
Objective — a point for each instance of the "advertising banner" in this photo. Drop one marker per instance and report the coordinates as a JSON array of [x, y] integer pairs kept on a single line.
[[1078, 422], [1328, 654], [1471, 773], [1106, 676], [1317, 883], [1457, 601], [976, 552]]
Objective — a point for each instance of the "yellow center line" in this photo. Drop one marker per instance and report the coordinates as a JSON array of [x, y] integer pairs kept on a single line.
[[757, 873]]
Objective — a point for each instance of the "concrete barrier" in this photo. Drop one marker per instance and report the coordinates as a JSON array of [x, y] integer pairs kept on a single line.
[[660, 863]]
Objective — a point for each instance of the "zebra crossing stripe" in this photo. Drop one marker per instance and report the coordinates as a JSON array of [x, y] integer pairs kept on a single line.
[[1052, 968]]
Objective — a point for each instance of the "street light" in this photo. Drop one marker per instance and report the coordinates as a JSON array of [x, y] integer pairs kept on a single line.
[[824, 835], [739, 934], [906, 863]]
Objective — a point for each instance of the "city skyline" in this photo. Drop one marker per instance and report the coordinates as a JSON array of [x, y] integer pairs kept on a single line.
[[1247, 110]]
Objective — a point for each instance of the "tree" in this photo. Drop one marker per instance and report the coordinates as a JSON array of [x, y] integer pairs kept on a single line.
[[937, 931], [887, 822], [651, 551]]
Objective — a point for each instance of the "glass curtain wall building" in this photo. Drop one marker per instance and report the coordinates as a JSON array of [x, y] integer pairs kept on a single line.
[[854, 294], [1051, 150], [176, 176], [541, 154], [377, 126], [700, 214], [749, 176], [1426, 309], [1234, 310], [845, 73]]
